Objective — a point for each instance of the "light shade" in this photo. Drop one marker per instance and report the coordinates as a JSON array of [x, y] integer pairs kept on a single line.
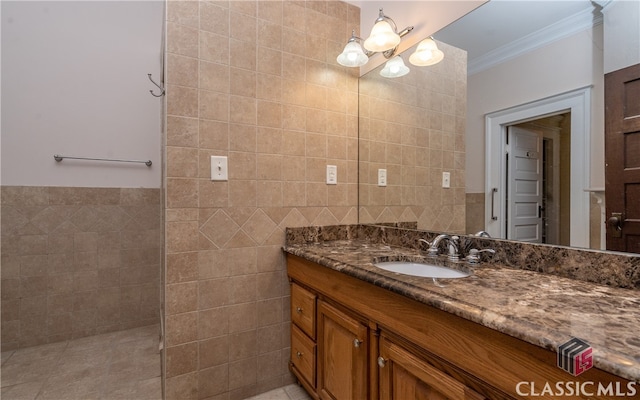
[[382, 38], [394, 68], [427, 53], [352, 55]]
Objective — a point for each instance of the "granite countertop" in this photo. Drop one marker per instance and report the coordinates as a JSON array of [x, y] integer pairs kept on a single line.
[[542, 309]]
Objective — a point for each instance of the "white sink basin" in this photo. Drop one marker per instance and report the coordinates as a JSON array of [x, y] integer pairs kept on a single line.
[[420, 269]]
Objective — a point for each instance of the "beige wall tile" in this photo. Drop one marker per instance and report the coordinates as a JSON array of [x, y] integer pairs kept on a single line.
[[242, 110], [214, 47], [182, 70], [213, 293], [181, 359], [280, 122], [242, 54], [269, 87], [213, 381], [183, 13], [248, 7], [214, 135], [269, 114], [181, 328], [181, 297], [185, 102], [182, 162], [182, 131], [242, 27], [182, 267], [182, 39], [69, 279], [214, 106], [214, 351], [214, 77], [243, 82], [213, 322], [214, 18], [182, 387]]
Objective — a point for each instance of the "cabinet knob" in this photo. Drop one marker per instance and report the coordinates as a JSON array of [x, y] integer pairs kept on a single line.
[[299, 310], [356, 342], [298, 354], [382, 362]]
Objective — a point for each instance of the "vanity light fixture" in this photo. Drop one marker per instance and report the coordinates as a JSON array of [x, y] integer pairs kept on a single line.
[[427, 53], [353, 55], [384, 38], [394, 68]]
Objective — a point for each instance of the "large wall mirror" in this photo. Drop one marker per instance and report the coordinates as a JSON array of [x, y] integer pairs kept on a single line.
[[423, 137]]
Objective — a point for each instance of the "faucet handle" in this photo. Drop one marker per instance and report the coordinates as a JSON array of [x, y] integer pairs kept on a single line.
[[474, 255]]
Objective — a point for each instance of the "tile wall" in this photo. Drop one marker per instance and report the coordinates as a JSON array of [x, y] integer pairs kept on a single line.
[[77, 262], [255, 81], [414, 127]]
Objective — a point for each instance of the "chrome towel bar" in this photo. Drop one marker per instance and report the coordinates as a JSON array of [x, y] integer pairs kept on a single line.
[[59, 158]]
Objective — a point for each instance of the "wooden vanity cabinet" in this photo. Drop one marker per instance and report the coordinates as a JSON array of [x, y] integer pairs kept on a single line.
[[331, 362], [373, 344]]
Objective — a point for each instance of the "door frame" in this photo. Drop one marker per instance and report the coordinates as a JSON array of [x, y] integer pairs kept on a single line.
[[578, 102]]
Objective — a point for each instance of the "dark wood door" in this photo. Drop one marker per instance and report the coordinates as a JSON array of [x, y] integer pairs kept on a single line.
[[622, 158]]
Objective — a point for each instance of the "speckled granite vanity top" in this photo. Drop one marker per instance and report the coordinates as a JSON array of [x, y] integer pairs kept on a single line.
[[542, 309]]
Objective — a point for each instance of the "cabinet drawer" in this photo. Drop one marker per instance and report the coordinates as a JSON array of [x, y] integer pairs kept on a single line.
[[303, 310], [303, 355]]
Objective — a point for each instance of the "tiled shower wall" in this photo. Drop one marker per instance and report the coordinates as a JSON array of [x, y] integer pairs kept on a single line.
[[78, 262], [255, 81]]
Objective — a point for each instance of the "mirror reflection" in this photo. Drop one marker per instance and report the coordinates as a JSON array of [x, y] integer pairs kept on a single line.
[[412, 132], [430, 128]]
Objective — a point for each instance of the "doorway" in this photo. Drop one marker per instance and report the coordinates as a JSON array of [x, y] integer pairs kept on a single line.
[[538, 180], [578, 104]]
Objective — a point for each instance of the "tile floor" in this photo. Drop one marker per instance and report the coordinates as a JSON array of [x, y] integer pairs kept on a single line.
[[291, 392], [111, 366]]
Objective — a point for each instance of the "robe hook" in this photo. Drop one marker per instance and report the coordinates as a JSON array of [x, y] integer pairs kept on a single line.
[[159, 87]]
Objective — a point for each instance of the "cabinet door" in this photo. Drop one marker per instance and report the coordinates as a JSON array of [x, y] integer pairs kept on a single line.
[[403, 376], [342, 355]]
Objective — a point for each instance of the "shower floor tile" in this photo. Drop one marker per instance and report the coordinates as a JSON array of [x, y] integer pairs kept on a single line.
[[111, 366]]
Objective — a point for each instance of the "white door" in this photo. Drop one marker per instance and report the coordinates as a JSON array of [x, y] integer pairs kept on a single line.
[[524, 183]]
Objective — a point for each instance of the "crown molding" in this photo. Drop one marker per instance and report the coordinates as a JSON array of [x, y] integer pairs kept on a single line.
[[543, 37]]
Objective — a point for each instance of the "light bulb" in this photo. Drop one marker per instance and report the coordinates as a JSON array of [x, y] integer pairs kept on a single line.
[[427, 53], [394, 68]]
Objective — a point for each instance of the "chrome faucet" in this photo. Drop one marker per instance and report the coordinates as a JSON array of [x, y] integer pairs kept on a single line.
[[474, 255], [482, 234], [453, 246]]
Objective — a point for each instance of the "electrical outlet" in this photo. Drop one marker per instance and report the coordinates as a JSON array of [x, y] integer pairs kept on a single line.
[[219, 168], [382, 177], [446, 180], [332, 175]]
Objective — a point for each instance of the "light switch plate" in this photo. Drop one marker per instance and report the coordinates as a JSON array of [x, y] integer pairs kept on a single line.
[[219, 168], [446, 180], [332, 175], [382, 177]]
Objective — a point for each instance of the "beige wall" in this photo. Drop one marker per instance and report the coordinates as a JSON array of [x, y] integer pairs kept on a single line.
[[77, 262], [257, 82]]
